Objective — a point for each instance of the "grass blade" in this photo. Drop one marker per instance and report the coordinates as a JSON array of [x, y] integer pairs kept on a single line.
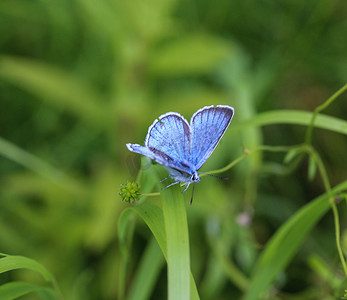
[[16, 289], [293, 117], [56, 86], [13, 290], [152, 215], [147, 272], [26, 159], [12, 262], [8, 263], [178, 258], [286, 242]]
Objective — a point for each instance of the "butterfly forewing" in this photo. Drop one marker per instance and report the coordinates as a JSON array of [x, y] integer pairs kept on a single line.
[[170, 135], [208, 126]]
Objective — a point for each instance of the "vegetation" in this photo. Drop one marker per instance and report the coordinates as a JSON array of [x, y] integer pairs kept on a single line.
[[80, 79]]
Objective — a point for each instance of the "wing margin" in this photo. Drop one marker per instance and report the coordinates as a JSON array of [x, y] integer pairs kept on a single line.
[[170, 134], [208, 126]]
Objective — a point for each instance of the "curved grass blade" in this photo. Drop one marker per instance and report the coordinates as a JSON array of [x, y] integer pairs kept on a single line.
[[286, 242], [54, 85], [152, 215], [16, 289], [26, 159], [9, 263], [147, 272], [12, 262], [13, 290], [293, 117]]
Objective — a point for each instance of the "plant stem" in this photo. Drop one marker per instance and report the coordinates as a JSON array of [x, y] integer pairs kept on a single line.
[[249, 152], [326, 182], [150, 194], [337, 234], [321, 108], [322, 170]]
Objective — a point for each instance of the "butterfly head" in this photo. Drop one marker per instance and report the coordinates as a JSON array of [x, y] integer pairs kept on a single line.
[[195, 177]]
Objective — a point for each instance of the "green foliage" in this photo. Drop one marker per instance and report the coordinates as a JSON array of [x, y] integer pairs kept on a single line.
[[80, 79], [177, 243], [13, 290], [283, 245]]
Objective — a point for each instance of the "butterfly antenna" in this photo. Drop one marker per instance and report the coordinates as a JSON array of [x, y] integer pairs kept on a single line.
[[224, 178], [191, 199]]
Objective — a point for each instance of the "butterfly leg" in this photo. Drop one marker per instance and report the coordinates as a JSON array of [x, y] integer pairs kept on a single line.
[[170, 185], [186, 187]]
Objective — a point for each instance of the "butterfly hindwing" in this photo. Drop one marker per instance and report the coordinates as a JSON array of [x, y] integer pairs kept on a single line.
[[208, 125], [160, 159], [168, 143]]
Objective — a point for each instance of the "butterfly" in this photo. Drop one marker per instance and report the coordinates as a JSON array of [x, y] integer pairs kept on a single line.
[[183, 147]]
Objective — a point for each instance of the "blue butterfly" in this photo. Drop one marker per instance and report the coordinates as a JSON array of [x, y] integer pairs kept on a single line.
[[183, 148]]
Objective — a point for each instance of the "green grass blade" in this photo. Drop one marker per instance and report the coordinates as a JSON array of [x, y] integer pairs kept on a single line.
[[47, 294], [8, 263], [312, 168], [126, 227], [293, 117], [177, 240], [152, 215], [26, 159], [13, 290], [56, 86], [286, 242], [16, 289], [180, 56], [147, 272]]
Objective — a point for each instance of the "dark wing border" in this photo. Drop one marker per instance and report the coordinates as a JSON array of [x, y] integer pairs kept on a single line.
[[208, 153], [158, 120], [163, 158]]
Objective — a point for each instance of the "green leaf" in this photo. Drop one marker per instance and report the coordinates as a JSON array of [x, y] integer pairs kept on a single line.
[[13, 290], [153, 217], [178, 256], [312, 167], [55, 86], [191, 55], [37, 165], [286, 242], [9, 263], [290, 155], [16, 289], [293, 117], [47, 294], [324, 271], [147, 272]]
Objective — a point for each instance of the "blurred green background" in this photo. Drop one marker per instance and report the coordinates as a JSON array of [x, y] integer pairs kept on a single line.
[[80, 79]]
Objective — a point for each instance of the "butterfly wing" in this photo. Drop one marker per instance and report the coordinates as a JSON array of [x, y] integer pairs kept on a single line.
[[208, 125], [160, 159], [168, 142]]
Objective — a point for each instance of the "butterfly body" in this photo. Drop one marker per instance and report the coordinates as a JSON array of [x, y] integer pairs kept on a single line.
[[183, 147]]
